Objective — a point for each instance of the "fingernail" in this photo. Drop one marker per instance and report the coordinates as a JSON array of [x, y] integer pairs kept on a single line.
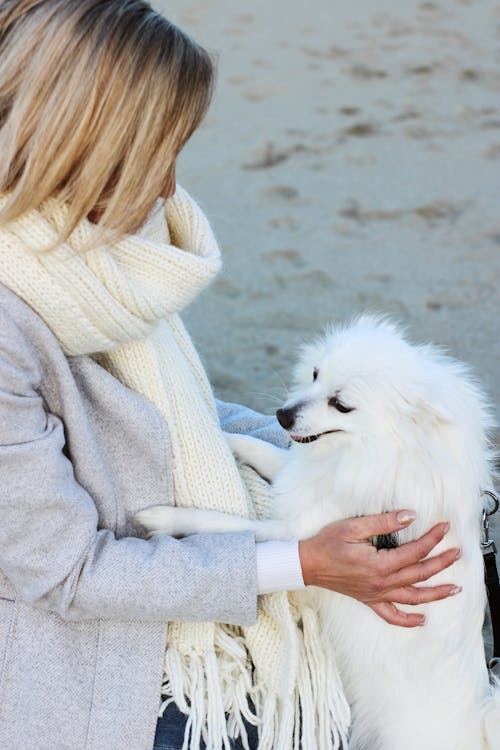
[[458, 555], [423, 620], [446, 527], [455, 590], [406, 516]]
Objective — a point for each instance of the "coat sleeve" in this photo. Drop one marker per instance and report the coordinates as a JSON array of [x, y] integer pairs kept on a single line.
[[54, 554], [245, 421]]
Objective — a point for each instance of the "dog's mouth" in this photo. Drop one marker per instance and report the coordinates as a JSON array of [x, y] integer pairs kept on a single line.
[[311, 438]]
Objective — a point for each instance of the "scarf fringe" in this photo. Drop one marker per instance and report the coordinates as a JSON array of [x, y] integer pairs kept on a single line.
[[324, 709], [219, 691]]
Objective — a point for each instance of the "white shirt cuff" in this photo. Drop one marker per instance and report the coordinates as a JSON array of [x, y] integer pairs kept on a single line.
[[278, 567]]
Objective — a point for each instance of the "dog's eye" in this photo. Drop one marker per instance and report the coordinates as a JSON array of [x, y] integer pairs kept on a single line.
[[315, 373], [339, 405]]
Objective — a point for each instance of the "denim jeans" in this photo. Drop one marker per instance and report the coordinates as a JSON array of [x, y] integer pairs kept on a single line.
[[170, 732]]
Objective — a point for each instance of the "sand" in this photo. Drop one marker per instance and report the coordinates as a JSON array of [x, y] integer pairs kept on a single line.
[[350, 162]]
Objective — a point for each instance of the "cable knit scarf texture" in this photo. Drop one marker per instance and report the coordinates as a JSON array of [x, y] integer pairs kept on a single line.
[[120, 304]]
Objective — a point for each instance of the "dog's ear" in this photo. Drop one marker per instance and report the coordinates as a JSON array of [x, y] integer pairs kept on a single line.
[[309, 355], [436, 412], [432, 408], [427, 407]]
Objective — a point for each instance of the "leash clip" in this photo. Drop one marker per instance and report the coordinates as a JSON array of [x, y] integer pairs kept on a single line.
[[487, 544]]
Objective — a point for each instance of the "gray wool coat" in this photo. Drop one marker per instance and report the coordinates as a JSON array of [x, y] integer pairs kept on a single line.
[[84, 600]]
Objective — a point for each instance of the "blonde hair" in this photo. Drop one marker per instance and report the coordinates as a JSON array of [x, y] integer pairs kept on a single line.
[[96, 100]]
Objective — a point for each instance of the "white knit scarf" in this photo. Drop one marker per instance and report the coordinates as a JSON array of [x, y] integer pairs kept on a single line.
[[119, 303]]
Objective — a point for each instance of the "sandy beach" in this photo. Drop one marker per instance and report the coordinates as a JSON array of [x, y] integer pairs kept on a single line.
[[350, 161]]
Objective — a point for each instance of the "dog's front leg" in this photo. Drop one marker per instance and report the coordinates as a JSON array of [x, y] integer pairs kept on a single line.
[[267, 459], [178, 522]]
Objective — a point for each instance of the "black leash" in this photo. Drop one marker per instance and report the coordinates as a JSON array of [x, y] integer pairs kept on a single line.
[[491, 578]]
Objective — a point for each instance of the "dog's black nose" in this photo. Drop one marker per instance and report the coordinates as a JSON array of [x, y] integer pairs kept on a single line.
[[286, 417]]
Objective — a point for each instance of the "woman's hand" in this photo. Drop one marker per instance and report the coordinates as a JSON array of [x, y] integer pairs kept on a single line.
[[341, 558]]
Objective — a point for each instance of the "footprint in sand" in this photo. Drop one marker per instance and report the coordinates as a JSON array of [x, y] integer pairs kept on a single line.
[[271, 349], [409, 114], [259, 93], [344, 230], [349, 111], [493, 151], [469, 74], [284, 222], [422, 70], [360, 129], [365, 73], [294, 257], [315, 278], [281, 192], [430, 212], [439, 210], [266, 156], [225, 288], [465, 294], [269, 155], [354, 211], [403, 30]]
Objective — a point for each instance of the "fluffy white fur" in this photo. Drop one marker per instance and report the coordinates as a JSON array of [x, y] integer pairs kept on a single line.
[[416, 438]]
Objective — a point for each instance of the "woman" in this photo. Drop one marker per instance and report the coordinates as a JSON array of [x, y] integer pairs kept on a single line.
[[105, 410]]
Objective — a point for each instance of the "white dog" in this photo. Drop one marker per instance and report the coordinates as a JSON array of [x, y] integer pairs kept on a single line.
[[377, 425]]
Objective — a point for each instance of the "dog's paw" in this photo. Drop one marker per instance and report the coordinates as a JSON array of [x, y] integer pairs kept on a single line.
[[158, 519], [239, 445]]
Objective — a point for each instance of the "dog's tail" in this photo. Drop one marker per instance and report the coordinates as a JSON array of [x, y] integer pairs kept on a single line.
[[491, 717]]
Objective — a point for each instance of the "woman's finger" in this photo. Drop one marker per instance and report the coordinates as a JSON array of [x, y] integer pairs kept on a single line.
[[364, 527], [421, 571], [421, 594], [394, 616], [412, 552]]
